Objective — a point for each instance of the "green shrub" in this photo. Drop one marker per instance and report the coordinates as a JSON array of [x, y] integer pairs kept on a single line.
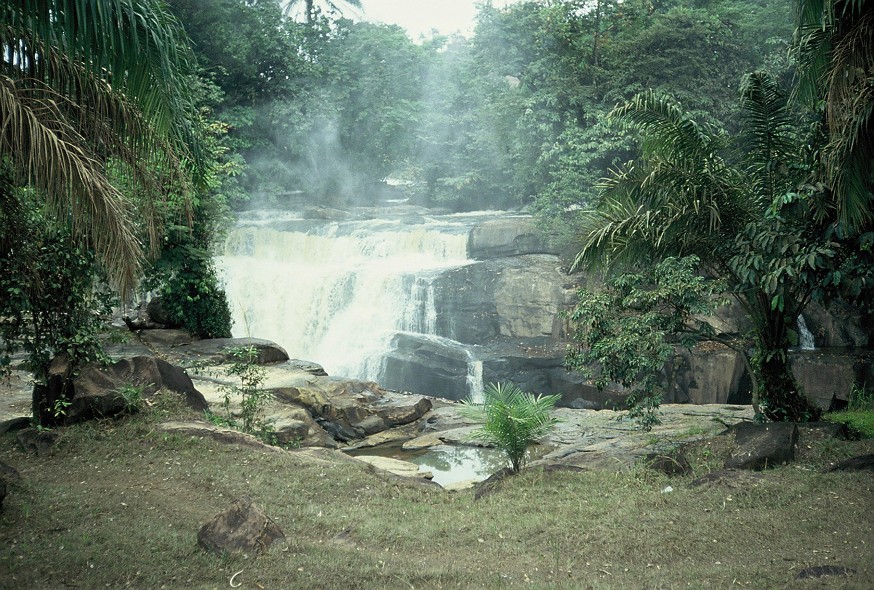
[[512, 419], [252, 397]]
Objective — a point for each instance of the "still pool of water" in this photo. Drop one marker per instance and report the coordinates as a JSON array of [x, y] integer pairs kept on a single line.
[[448, 463]]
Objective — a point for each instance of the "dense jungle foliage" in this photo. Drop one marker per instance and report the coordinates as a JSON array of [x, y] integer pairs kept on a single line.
[[136, 127]]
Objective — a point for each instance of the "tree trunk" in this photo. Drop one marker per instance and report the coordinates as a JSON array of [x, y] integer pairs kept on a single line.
[[781, 397]]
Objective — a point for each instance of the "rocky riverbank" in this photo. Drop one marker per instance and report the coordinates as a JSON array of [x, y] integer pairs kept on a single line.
[[310, 409]]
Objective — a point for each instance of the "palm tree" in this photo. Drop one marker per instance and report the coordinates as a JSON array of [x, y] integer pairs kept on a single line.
[[746, 223], [834, 42], [86, 83], [288, 6]]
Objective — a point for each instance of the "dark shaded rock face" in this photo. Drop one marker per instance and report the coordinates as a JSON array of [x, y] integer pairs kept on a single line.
[[829, 374], [759, 446], [242, 528], [96, 392], [426, 365]]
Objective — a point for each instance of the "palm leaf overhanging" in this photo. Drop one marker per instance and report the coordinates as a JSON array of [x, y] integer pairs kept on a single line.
[[86, 81], [668, 202], [835, 53]]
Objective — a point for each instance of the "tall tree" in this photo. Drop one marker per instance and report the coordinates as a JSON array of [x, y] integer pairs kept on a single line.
[[748, 223], [85, 82], [288, 7]]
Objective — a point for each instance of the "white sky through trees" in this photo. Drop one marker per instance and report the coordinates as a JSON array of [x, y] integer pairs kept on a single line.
[[421, 16]]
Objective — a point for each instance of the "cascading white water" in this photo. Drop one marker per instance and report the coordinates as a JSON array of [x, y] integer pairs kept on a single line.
[[335, 292], [805, 337]]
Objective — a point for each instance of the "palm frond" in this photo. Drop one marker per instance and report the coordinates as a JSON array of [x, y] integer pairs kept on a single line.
[[135, 46], [54, 158]]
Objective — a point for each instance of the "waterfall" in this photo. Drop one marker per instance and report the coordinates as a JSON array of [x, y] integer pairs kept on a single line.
[[335, 292], [475, 380], [805, 337]]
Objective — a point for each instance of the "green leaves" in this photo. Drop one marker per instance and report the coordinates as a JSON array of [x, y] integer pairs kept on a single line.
[[512, 419], [627, 331], [89, 82]]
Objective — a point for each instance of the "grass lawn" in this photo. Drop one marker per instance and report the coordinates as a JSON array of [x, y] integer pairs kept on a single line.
[[117, 504]]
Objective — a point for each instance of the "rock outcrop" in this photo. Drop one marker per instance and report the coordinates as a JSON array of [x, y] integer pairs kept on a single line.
[[105, 391]]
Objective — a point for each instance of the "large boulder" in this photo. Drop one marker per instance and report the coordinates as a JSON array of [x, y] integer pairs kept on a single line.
[[242, 528], [344, 408], [100, 391], [216, 351], [518, 297], [500, 238], [759, 446]]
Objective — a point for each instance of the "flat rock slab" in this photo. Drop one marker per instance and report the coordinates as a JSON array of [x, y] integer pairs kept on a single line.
[[217, 433], [215, 351], [396, 466]]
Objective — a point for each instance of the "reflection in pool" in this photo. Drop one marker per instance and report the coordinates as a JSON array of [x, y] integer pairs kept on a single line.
[[448, 463]]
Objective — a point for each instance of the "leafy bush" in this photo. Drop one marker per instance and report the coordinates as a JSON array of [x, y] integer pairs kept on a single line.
[[512, 419], [53, 295], [252, 396], [186, 281], [629, 330]]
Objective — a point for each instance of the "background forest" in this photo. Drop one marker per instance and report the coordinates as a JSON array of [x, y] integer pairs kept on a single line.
[[512, 117]]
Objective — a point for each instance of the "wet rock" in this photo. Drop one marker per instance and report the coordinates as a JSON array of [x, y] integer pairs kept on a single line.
[[242, 528], [759, 446]]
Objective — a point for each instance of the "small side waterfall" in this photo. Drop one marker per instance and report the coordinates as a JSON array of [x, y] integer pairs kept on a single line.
[[475, 380], [805, 337]]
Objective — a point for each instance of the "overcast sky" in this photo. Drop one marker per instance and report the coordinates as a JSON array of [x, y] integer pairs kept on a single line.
[[420, 16]]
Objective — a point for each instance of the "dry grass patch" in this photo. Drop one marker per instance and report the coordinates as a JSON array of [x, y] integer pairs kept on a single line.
[[119, 505]]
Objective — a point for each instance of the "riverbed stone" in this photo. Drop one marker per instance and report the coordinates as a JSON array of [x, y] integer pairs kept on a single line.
[[396, 466]]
